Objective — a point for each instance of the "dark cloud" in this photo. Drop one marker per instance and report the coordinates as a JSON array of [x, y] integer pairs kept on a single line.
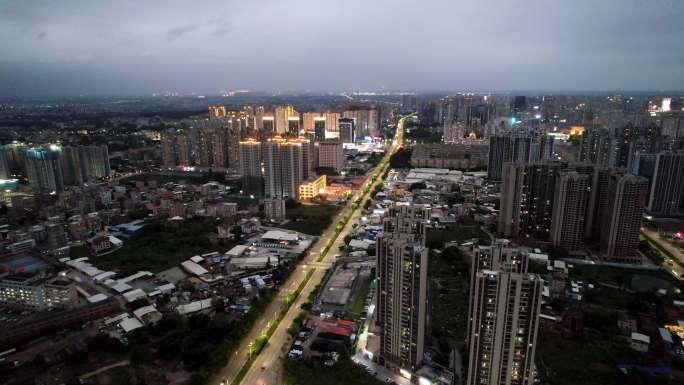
[[130, 47], [223, 30], [180, 31]]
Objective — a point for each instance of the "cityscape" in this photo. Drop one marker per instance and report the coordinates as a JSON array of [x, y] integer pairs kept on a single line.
[[183, 201]]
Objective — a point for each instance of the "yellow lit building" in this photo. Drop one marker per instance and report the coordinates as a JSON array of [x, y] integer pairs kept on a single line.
[[216, 111], [310, 189], [576, 130]]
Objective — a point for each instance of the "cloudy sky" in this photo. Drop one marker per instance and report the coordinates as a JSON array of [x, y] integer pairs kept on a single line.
[[125, 47]]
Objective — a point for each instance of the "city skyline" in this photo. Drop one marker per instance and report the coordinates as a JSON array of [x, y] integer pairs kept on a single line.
[[78, 49]]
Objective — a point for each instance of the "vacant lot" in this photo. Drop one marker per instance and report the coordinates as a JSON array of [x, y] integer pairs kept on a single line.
[[436, 238], [310, 219], [161, 246]]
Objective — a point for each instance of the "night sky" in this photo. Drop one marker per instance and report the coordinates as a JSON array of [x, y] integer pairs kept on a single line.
[[140, 47]]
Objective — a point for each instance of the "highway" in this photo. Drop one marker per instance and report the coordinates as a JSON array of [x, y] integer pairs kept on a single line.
[[266, 369], [676, 268]]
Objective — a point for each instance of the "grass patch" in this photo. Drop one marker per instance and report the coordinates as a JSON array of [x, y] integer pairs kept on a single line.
[[357, 309], [449, 277], [588, 360], [161, 246], [162, 179], [619, 276], [344, 372], [311, 219], [436, 238]]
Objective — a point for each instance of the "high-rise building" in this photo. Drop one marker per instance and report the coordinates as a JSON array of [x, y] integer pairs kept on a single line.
[[217, 111], [12, 160], [169, 149], [512, 197], [667, 189], [571, 197], [643, 164], [330, 155], [71, 166], [268, 123], [319, 128], [308, 121], [250, 167], [225, 143], [546, 147], [453, 132], [274, 209], [293, 125], [620, 238], [527, 198], [366, 120], [309, 156], [504, 318], [347, 130], [519, 105], [331, 121], [184, 147], [592, 145], [43, 169], [283, 163], [56, 236], [503, 149], [94, 161], [402, 264], [408, 102], [219, 144], [204, 145], [599, 200], [282, 116], [374, 122]]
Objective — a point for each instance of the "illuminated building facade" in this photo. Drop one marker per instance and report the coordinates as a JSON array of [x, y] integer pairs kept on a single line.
[[250, 167], [504, 318], [283, 162], [43, 169], [402, 265], [312, 188]]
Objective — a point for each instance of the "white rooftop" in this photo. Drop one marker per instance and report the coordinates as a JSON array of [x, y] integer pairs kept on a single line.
[[139, 313], [193, 268], [279, 235], [236, 251], [193, 307], [97, 298], [641, 338], [130, 324], [166, 288], [135, 276], [133, 295], [115, 241], [121, 287]]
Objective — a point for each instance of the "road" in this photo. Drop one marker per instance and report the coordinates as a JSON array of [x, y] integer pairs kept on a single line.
[[267, 367], [674, 267], [230, 371], [381, 373]]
